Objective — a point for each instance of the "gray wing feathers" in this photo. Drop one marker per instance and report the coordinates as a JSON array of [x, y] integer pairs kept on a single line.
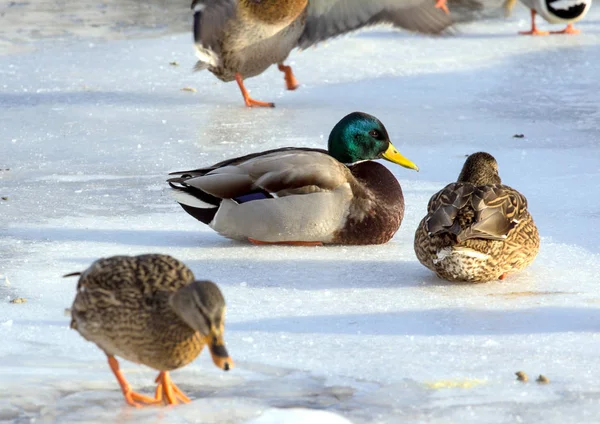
[[210, 18], [467, 211], [471, 10], [224, 186], [329, 18], [278, 173], [444, 207], [424, 18]]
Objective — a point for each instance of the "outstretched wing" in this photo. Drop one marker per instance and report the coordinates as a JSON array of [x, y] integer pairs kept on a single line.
[[472, 10], [468, 211], [330, 18]]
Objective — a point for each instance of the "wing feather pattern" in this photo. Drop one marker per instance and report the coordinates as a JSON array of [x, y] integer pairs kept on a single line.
[[330, 18], [210, 18], [468, 211], [279, 173]]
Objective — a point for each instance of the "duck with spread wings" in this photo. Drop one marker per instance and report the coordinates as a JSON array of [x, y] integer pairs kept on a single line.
[[239, 39]]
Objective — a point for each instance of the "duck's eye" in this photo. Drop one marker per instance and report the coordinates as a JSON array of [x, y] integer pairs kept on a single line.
[[374, 133]]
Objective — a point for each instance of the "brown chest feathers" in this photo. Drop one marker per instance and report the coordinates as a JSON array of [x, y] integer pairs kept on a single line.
[[378, 206], [273, 12]]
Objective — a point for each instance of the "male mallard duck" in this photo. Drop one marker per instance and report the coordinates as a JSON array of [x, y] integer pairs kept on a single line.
[[477, 229], [148, 309], [301, 195], [239, 39], [555, 12]]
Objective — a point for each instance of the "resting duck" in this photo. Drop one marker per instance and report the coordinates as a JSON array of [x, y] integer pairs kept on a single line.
[[148, 309], [303, 196], [556, 12], [477, 229], [239, 39]]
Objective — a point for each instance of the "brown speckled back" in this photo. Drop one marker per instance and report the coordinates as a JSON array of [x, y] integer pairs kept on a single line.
[[477, 229], [122, 305]]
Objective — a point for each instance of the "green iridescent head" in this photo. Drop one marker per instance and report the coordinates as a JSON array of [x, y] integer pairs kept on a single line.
[[359, 136]]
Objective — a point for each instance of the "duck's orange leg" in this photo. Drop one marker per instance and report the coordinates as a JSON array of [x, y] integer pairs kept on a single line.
[[290, 80], [285, 243], [172, 394], [441, 4], [250, 102], [503, 276], [534, 30], [568, 30], [131, 397]]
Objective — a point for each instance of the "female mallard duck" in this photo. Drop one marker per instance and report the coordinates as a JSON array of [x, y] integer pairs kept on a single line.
[[477, 229], [555, 12], [239, 39], [301, 195], [148, 309]]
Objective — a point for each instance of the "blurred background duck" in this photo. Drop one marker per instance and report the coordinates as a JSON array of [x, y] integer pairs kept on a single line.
[[303, 196], [149, 310], [477, 229], [239, 39], [554, 12]]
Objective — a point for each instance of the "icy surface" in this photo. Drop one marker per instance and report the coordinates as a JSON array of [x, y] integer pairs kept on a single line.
[[89, 130]]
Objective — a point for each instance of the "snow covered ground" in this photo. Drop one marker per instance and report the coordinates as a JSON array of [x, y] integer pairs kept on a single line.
[[89, 129]]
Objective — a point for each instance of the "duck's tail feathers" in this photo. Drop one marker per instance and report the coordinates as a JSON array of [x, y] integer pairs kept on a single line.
[[210, 18], [203, 215], [72, 274], [201, 66], [194, 201], [190, 200]]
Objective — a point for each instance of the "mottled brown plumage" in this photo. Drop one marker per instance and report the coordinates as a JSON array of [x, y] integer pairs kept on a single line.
[[149, 310], [477, 229]]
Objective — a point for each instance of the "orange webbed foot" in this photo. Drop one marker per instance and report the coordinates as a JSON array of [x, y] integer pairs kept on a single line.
[[568, 30], [534, 31], [132, 398], [250, 102], [168, 392], [503, 276], [284, 243], [441, 4], [290, 80], [138, 400]]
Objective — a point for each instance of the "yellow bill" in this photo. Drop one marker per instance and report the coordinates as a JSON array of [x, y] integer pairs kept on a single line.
[[393, 155]]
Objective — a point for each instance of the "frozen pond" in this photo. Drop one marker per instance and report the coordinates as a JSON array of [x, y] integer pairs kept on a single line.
[[89, 130]]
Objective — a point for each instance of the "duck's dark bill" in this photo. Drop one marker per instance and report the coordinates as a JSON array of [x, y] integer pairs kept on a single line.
[[220, 357]]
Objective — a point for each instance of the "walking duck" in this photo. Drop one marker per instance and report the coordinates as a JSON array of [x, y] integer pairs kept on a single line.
[[149, 310], [477, 229], [554, 12], [303, 196], [239, 39]]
